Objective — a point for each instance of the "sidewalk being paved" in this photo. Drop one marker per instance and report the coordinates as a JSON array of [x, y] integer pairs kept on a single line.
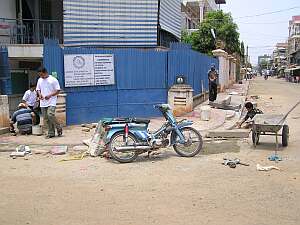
[[73, 135]]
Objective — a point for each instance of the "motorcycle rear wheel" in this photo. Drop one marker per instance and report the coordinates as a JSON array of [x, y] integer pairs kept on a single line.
[[118, 140], [194, 142]]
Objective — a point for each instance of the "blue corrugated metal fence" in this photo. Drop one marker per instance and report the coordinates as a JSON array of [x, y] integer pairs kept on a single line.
[[142, 78], [5, 77]]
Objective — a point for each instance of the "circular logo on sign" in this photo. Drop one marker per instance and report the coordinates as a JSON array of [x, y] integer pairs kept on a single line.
[[78, 62]]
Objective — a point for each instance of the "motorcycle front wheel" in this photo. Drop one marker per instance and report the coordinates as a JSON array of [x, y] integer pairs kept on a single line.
[[193, 145], [118, 140]]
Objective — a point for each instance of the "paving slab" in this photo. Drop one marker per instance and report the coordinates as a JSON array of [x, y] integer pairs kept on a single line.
[[228, 134]]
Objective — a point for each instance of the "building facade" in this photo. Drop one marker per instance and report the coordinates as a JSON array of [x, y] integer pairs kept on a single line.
[[294, 40], [194, 11], [280, 54], [264, 62], [101, 23]]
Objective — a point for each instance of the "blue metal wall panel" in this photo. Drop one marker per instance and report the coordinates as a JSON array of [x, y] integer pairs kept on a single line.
[[142, 80], [193, 65], [5, 77], [139, 102], [91, 106], [53, 59], [137, 69], [140, 76]]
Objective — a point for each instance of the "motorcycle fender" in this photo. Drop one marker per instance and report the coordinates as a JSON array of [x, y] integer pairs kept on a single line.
[[114, 131], [110, 134], [186, 123], [181, 125]]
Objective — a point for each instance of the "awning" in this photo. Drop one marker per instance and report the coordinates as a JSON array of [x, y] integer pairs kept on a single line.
[[292, 69]]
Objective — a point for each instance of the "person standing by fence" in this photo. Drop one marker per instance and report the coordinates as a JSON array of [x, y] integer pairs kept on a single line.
[[212, 81], [48, 88]]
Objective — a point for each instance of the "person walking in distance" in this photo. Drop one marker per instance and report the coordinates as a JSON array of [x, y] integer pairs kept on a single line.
[[212, 81], [47, 89]]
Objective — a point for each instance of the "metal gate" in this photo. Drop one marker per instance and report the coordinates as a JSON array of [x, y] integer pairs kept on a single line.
[[142, 79]]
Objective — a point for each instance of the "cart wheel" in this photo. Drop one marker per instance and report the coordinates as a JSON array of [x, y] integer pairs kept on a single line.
[[255, 138], [285, 135]]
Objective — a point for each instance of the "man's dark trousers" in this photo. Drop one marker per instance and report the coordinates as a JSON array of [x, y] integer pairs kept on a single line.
[[213, 91]]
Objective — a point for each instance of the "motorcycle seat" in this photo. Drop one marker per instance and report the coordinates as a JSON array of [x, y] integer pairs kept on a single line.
[[140, 120], [126, 120]]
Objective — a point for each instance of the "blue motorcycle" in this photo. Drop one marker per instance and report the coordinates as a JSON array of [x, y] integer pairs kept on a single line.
[[127, 138]]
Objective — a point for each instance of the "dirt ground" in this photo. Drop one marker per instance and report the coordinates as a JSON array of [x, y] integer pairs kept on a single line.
[[166, 189]]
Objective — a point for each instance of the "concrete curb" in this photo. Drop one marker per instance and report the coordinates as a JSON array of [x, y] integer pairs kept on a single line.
[[4, 130]]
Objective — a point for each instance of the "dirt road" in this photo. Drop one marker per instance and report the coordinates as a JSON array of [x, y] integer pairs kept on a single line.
[[164, 190]]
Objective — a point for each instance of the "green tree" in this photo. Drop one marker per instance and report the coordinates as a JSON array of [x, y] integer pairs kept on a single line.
[[225, 29]]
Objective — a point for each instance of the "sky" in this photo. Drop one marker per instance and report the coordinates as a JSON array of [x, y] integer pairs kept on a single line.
[[261, 33]]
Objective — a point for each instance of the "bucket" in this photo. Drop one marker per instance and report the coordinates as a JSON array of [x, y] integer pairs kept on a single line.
[[37, 130], [205, 113]]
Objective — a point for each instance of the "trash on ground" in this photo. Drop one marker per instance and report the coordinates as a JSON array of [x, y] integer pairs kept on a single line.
[[266, 168], [233, 93], [86, 129], [275, 158], [75, 157], [17, 154], [59, 150], [21, 151], [232, 163], [90, 126], [23, 148]]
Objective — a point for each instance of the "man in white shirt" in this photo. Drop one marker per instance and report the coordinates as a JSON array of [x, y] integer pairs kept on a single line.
[[31, 100], [47, 89]]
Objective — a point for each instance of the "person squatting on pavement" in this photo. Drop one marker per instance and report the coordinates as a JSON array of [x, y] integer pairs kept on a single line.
[[212, 81], [250, 115], [31, 100], [48, 88], [24, 118]]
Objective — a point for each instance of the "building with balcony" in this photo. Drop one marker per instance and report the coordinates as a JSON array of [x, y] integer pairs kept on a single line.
[[24, 24], [101, 23], [280, 54], [194, 11], [294, 40]]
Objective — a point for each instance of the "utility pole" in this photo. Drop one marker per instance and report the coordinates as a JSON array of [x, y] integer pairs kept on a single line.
[[247, 51], [20, 17], [158, 23]]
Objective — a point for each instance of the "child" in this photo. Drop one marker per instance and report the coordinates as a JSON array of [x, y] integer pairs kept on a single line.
[[250, 114]]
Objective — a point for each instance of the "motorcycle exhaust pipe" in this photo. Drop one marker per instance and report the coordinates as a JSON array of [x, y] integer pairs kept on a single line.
[[134, 148]]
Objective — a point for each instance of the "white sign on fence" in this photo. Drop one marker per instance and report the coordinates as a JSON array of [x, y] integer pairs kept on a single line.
[[89, 70]]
